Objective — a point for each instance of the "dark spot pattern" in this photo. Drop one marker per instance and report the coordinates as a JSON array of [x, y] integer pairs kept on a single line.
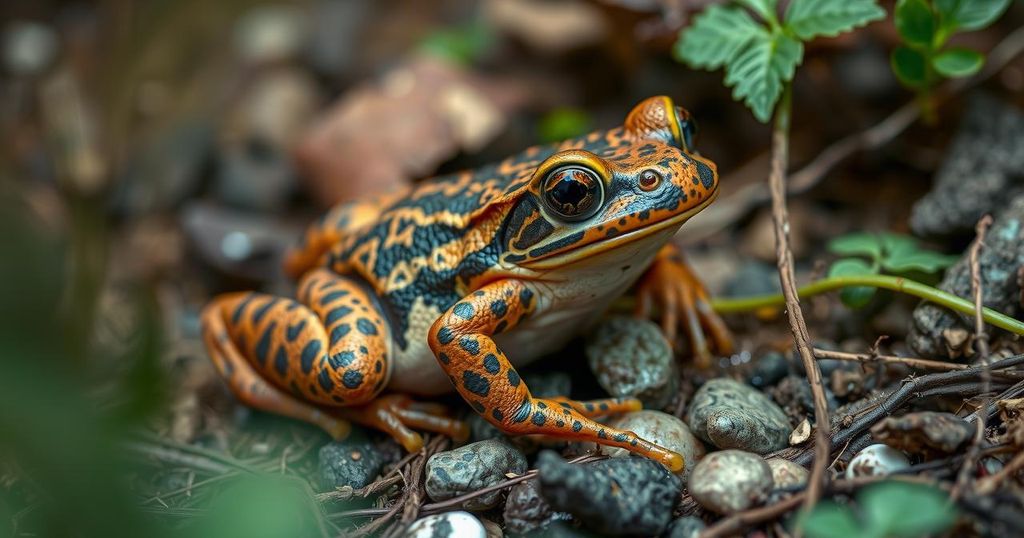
[[352, 379], [339, 332], [366, 327], [263, 345], [445, 335], [476, 383], [309, 352], [325, 380], [469, 345], [293, 331], [464, 310], [499, 308], [336, 314], [538, 418], [513, 378], [491, 364]]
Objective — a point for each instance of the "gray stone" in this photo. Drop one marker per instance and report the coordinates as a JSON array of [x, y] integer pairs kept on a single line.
[[618, 496], [786, 474], [470, 468], [1003, 255], [729, 414], [981, 171], [353, 462], [631, 357], [768, 370], [661, 429], [685, 527], [731, 481], [447, 525], [877, 460], [526, 511]]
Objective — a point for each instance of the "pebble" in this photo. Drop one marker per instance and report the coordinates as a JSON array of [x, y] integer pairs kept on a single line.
[[631, 357], [786, 474], [933, 328], [980, 169], [447, 525], [270, 33], [353, 462], [28, 47], [661, 429], [526, 511], [730, 414], [876, 460], [731, 481], [472, 467], [617, 496], [768, 370], [685, 527]]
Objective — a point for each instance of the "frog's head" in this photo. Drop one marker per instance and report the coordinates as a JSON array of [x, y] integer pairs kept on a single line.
[[639, 188]]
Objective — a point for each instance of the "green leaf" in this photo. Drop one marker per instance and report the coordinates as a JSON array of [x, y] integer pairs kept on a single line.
[[915, 22], [461, 45], [758, 72], [765, 8], [716, 36], [859, 296], [829, 520], [895, 508], [563, 124], [812, 18], [970, 14], [958, 62], [910, 67], [857, 244], [923, 260], [896, 244]]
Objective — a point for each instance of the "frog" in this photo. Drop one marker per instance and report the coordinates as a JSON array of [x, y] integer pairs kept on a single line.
[[458, 281]]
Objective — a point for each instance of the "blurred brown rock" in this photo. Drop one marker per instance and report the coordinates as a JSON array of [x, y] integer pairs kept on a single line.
[[381, 135]]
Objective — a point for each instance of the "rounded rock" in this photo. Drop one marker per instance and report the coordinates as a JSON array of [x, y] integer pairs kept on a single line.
[[730, 414], [470, 468], [447, 525], [526, 511], [661, 429], [352, 462], [877, 460], [731, 481], [618, 496], [631, 357], [685, 527], [786, 474]]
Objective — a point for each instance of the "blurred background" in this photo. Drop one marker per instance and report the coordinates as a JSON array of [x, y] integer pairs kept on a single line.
[[157, 152]]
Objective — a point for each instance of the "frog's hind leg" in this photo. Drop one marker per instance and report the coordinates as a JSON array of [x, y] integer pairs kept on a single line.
[[246, 383], [329, 350]]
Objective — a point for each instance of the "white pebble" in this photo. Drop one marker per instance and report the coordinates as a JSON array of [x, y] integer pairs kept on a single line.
[[447, 525], [876, 460]]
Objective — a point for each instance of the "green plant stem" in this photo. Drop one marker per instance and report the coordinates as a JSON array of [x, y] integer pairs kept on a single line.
[[888, 282]]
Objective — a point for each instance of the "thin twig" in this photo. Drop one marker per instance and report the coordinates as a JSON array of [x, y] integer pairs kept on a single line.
[[920, 364], [784, 258], [981, 347]]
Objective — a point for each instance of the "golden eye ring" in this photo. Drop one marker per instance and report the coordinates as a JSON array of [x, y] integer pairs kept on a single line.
[[649, 180]]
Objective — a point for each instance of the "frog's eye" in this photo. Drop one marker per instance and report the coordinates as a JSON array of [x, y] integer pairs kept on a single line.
[[573, 192], [687, 128]]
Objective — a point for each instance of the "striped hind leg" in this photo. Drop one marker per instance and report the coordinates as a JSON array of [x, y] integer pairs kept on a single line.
[[322, 359]]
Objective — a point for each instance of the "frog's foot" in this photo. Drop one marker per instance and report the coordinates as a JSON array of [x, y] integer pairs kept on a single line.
[[683, 300], [395, 414], [600, 408]]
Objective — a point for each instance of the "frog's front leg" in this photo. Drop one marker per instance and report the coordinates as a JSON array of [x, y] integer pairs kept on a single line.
[[682, 298], [322, 359], [462, 342]]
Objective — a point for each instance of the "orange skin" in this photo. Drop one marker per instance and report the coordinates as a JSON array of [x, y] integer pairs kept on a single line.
[[415, 291]]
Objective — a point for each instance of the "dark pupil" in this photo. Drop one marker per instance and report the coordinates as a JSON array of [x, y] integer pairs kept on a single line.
[[571, 191]]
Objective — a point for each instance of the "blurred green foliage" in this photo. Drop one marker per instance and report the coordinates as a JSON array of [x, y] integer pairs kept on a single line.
[[888, 509], [925, 26], [563, 124], [460, 44]]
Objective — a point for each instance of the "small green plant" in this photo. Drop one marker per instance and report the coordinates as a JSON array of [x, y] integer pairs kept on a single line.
[[887, 509], [892, 253], [760, 57], [926, 26], [460, 44]]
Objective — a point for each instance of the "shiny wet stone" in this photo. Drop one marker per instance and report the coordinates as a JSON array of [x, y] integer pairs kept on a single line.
[[470, 468], [729, 414]]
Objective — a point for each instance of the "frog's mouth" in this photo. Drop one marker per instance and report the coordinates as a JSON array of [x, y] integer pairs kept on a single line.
[[595, 249]]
